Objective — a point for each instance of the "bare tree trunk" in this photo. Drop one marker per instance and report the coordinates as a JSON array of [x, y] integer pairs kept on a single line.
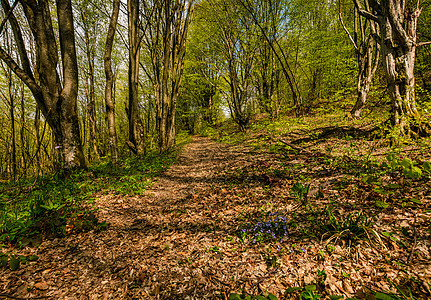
[[91, 99], [110, 107], [134, 52], [38, 141], [12, 122], [25, 151]]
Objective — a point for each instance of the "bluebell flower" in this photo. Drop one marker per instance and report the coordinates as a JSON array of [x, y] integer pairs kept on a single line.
[[303, 249]]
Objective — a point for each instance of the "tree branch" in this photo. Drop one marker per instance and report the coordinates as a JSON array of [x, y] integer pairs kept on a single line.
[[364, 13], [423, 44], [345, 28], [3, 23], [31, 84]]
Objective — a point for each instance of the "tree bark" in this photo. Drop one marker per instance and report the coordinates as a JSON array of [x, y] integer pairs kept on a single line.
[[110, 107], [91, 97], [134, 52], [368, 56]]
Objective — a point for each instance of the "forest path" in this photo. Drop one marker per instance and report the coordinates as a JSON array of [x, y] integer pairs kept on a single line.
[[180, 240], [164, 244]]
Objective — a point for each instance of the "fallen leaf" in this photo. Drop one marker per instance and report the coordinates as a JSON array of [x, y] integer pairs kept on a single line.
[[41, 286]]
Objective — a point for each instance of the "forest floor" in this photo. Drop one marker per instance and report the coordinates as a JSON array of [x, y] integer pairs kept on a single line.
[[252, 216]]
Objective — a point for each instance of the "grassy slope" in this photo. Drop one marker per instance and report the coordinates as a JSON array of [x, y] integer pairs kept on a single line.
[[352, 188]]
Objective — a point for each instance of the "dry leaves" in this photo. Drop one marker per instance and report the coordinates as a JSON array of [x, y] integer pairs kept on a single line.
[[179, 241]]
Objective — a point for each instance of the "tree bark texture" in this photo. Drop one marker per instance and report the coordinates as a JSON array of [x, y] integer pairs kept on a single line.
[[134, 52], [109, 101]]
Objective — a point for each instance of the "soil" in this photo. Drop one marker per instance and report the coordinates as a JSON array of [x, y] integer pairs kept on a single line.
[[182, 239]]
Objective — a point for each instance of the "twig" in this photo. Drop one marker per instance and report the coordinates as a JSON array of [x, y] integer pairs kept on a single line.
[[414, 244], [7, 296]]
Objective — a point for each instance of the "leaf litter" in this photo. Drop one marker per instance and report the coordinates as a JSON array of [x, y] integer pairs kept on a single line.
[[182, 239]]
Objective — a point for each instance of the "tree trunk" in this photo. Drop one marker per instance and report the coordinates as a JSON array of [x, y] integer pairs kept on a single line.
[[110, 107], [134, 51], [91, 101], [399, 61], [398, 25], [57, 100], [165, 34], [367, 51], [12, 124], [368, 62]]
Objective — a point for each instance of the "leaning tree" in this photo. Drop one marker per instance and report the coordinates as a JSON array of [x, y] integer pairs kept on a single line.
[[398, 20]]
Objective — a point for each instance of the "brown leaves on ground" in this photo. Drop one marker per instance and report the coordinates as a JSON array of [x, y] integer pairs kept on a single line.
[[181, 241]]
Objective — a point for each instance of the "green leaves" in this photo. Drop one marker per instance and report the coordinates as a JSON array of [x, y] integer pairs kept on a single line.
[[383, 296], [13, 262], [409, 168], [235, 296]]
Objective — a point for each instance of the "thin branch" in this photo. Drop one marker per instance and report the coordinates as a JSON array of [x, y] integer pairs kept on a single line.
[[345, 28], [32, 85], [423, 44], [3, 23]]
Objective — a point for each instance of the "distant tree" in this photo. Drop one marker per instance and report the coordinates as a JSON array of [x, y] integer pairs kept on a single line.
[[134, 53], [268, 15], [88, 22], [165, 25]]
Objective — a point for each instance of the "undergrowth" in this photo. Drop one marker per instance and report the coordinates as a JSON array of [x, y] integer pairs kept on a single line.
[[55, 205]]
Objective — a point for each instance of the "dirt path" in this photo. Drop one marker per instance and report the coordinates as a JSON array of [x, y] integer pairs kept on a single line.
[[156, 245], [180, 240]]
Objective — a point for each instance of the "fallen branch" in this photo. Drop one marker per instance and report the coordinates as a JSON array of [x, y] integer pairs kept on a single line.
[[294, 147]]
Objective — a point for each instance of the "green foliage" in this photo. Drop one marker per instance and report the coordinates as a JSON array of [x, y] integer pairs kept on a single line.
[[351, 228], [13, 262], [46, 206], [300, 191], [407, 166]]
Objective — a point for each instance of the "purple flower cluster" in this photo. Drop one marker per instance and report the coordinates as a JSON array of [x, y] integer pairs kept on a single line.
[[273, 229]]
